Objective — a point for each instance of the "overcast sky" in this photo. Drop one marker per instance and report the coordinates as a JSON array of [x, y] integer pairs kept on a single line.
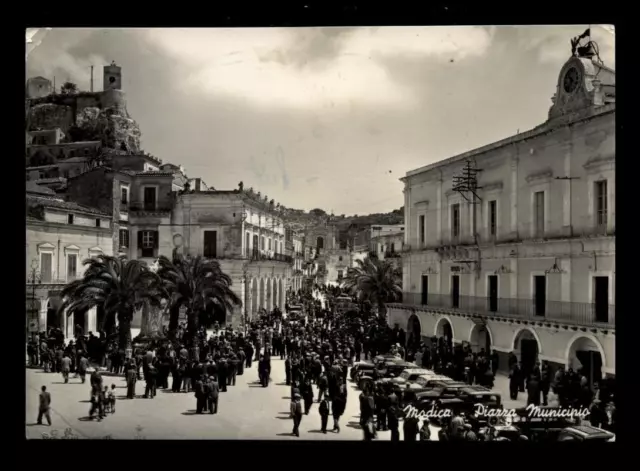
[[320, 117]]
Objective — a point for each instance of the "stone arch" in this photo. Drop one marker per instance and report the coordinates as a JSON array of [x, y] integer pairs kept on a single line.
[[269, 298], [319, 243], [254, 297], [261, 304], [281, 291], [592, 363], [444, 328], [527, 347], [480, 336], [276, 293], [414, 329]]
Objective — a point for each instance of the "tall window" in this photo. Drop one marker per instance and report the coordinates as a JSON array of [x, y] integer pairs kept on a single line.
[[72, 266], [149, 199], [247, 243], [210, 244], [339, 275], [538, 213], [601, 205], [269, 245], [46, 266], [147, 243], [493, 217], [393, 247], [124, 195], [421, 228], [455, 220], [262, 243], [70, 219], [123, 239]]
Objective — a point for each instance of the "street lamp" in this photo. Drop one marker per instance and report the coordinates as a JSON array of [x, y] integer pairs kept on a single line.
[[34, 280]]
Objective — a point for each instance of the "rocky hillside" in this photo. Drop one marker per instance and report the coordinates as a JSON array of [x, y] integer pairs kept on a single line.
[[315, 216], [86, 116]]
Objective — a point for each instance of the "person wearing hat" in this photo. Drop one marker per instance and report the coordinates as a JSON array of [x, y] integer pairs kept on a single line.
[[296, 414]]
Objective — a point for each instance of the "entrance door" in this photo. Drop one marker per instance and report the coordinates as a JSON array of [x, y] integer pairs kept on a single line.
[[540, 295], [601, 301], [211, 244], [425, 289], [455, 291], [591, 362], [528, 355], [493, 293]]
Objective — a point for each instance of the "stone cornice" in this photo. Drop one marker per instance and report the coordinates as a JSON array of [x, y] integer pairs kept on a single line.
[[542, 176], [494, 186], [600, 163]]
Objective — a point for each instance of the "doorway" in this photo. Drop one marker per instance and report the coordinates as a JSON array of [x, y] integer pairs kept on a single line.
[[601, 298], [52, 317], [528, 355], [540, 295], [591, 365], [425, 290], [455, 291], [493, 293]]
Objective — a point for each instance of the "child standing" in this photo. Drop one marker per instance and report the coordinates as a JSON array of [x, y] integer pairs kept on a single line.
[[324, 414], [112, 399]]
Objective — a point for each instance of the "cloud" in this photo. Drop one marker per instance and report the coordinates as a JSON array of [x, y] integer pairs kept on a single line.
[[317, 68]]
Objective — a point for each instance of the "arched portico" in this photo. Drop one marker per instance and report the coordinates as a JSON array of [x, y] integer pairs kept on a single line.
[[254, 297], [414, 329], [281, 291], [527, 347], [261, 304], [480, 337], [444, 328], [269, 304], [585, 353]]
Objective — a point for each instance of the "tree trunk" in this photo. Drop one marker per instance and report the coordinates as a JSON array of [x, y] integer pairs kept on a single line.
[[124, 333], [382, 311], [145, 321], [174, 317], [192, 325]]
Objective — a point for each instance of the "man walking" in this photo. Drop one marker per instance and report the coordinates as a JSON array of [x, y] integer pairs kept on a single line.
[[45, 406], [65, 366], [296, 414], [214, 394]]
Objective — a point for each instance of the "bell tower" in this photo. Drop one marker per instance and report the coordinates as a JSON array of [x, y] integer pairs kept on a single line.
[[112, 78]]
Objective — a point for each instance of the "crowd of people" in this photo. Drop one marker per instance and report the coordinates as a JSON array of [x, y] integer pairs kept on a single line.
[[318, 347]]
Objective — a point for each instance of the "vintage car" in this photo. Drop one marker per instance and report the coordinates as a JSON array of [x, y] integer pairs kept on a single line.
[[543, 426], [501, 433], [446, 390], [481, 395], [369, 365], [410, 375], [581, 433], [431, 380], [387, 369]]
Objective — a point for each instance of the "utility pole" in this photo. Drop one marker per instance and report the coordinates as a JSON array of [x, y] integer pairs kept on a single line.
[[569, 179], [467, 185], [91, 79]]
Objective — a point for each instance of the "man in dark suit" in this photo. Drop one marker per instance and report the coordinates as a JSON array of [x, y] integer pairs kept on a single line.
[[200, 394], [214, 393], [242, 358], [45, 406]]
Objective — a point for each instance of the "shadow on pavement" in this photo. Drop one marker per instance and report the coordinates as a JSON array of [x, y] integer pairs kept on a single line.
[[282, 384], [86, 418], [34, 424], [194, 412], [316, 431], [354, 425], [289, 434], [61, 382], [86, 401], [283, 417], [256, 385], [286, 397]]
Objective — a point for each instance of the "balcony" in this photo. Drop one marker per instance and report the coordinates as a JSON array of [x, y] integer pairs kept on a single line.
[[562, 312], [259, 256]]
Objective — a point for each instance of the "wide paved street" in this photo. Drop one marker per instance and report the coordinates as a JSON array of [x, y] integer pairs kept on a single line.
[[247, 411]]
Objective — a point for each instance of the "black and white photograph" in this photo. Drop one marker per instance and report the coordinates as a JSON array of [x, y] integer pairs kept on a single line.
[[394, 233]]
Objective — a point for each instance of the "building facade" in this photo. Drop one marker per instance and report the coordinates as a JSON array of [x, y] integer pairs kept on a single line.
[[60, 236], [533, 271]]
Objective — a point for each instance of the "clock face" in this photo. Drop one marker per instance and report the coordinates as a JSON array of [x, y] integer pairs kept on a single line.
[[571, 80], [112, 79]]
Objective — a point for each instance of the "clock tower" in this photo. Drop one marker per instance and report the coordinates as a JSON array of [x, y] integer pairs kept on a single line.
[[112, 78]]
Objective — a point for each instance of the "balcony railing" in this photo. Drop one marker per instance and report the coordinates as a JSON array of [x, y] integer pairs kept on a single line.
[[575, 313], [257, 255]]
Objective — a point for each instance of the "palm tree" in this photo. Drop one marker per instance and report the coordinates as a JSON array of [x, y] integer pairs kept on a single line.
[[374, 280], [121, 286], [196, 283]]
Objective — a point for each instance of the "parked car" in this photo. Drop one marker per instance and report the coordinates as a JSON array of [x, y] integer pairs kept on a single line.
[[501, 433], [388, 369], [545, 427], [581, 433], [432, 380], [369, 365]]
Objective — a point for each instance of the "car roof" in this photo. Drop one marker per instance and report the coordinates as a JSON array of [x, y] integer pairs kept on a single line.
[[435, 377], [479, 390], [418, 371], [589, 432]]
